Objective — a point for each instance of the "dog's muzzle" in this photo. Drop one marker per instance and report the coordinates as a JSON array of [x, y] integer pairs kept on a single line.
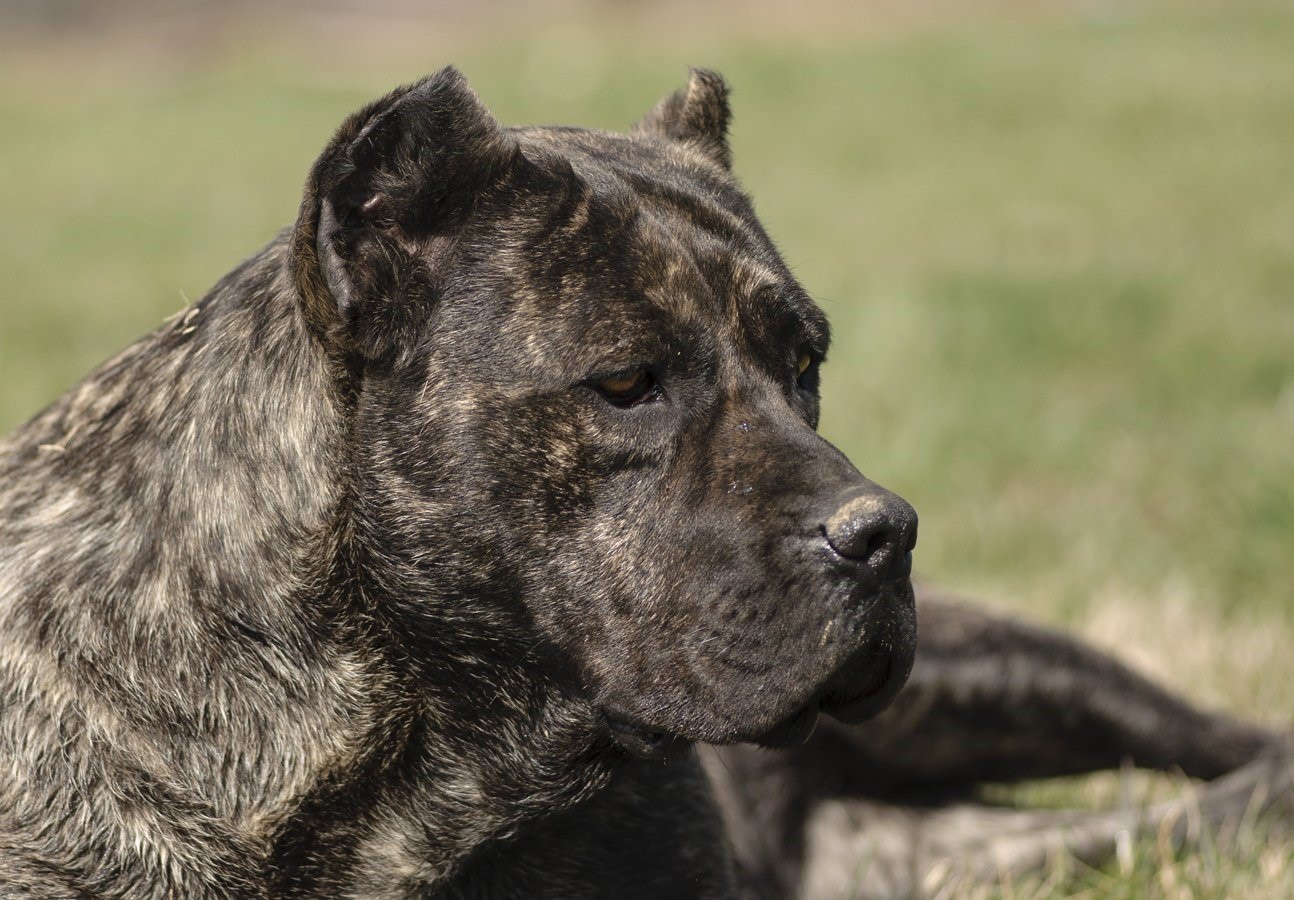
[[868, 536]]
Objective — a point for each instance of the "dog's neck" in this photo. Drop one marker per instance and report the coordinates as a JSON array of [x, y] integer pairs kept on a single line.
[[177, 550]]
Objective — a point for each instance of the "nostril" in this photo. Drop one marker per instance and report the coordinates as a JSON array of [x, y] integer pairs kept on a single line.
[[877, 543]]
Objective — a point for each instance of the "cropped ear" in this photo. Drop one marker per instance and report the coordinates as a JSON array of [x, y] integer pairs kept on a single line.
[[697, 115], [384, 200]]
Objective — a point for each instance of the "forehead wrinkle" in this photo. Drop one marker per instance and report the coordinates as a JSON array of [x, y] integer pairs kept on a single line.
[[708, 282], [710, 262], [724, 214], [751, 298], [608, 190], [752, 281], [574, 249], [560, 154], [684, 290], [652, 173], [755, 309], [636, 178]]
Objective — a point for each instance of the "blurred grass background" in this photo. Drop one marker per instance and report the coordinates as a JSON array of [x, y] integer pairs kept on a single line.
[[1055, 241]]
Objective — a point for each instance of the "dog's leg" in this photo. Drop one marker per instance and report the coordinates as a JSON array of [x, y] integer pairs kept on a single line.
[[789, 842], [993, 699], [990, 699], [863, 849]]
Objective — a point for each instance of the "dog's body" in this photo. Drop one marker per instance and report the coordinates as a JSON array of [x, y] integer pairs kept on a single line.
[[412, 559]]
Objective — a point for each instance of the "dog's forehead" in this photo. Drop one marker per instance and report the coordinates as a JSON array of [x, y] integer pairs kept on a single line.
[[698, 249]]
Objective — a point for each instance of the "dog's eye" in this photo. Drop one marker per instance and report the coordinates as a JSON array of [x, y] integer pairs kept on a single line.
[[629, 388], [806, 372]]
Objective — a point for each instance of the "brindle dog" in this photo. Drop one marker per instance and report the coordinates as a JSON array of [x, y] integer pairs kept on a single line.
[[414, 559]]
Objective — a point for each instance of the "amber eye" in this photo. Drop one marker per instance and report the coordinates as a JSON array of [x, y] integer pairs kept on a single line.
[[806, 372], [629, 388]]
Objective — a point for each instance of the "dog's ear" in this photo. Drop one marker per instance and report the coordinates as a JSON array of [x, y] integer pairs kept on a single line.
[[697, 115], [385, 199]]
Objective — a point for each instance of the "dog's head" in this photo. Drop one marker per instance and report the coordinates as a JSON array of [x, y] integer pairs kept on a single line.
[[586, 387]]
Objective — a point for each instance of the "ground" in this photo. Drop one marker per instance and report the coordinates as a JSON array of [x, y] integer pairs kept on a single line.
[[1054, 240]]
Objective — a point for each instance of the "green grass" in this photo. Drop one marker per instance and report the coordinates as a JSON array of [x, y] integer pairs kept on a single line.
[[1057, 250]]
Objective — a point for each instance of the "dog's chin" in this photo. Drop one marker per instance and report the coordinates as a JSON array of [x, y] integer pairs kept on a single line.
[[649, 743], [792, 731]]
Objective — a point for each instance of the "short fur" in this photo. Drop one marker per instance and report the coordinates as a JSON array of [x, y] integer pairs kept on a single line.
[[365, 576]]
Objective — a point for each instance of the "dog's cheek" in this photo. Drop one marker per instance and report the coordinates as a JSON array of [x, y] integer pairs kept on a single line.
[[541, 482], [641, 582]]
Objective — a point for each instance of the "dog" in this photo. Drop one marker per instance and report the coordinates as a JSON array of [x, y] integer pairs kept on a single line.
[[418, 556]]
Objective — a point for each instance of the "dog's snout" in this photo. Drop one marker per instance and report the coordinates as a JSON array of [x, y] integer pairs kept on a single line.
[[876, 529]]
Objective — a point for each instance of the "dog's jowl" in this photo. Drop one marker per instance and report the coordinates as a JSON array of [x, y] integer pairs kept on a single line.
[[414, 558]]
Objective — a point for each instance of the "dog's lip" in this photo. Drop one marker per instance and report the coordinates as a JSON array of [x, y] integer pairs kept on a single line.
[[876, 693], [871, 696], [860, 690]]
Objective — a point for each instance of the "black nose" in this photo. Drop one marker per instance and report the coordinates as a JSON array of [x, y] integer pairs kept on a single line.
[[877, 529]]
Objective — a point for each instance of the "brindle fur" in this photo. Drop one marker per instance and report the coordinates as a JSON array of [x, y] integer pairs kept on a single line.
[[348, 582]]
